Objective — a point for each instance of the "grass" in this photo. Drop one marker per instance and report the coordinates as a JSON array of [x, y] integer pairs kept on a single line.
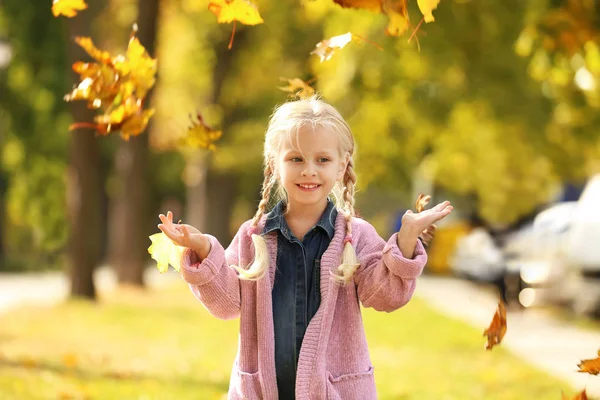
[[164, 345]]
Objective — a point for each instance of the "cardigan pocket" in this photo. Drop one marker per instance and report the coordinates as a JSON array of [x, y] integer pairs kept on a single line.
[[357, 386], [245, 386]]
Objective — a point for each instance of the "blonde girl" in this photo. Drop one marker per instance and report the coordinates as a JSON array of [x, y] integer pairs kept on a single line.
[[296, 273]]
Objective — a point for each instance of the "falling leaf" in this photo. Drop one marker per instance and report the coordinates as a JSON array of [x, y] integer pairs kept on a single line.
[[426, 7], [165, 252], [421, 202], [495, 332], [591, 366], [116, 85], [68, 8], [396, 11], [325, 49], [298, 88], [235, 10], [578, 396], [199, 135]]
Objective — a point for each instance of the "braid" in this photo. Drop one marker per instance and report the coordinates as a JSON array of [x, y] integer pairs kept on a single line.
[[350, 262], [267, 185], [261, 255]]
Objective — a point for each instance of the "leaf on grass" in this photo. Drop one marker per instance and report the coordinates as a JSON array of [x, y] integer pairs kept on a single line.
[[68, 8], [116, 85], [591, 366], [298, 88], [421, 202], [165, 252], [426, 7], [228, 11], [70, 360], [199, 135], [579, 396], [495, 332]]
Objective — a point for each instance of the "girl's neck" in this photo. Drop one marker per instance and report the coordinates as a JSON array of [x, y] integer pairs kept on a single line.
[[307, 213]]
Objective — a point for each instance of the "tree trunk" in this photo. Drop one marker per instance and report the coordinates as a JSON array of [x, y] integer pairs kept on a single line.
[[84, 188], [130, 219]]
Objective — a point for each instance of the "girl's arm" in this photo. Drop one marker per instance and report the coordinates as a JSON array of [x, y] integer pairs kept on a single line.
[[212, 280], [386, 279]]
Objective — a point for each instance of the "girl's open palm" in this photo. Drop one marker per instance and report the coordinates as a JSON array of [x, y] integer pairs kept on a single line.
[[184, 235], [418, 222]]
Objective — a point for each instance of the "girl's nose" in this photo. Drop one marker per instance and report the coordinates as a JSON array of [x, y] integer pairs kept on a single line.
[[308, 170]]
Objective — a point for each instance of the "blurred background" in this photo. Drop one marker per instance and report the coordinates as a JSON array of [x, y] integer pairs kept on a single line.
[[493, 106]]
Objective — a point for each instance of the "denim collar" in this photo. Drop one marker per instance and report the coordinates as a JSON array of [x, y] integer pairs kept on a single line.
[[276, 220]]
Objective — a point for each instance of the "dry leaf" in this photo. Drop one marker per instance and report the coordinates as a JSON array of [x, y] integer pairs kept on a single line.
[[298, 88], [68, 8], [116, 85], [426, 7], [578, 396], [421, 202], [591, 366], [200, 136], [235, 10], [325, 49], [495, 332]]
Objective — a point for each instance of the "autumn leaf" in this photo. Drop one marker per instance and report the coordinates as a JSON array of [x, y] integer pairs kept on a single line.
[[298, 88], [495, 332], [235, 10], [165, 252], [591, 366], [421, 202], [68, 8], [579, 396], [396, 11], [426, 7], [116, 85], [199, 135]]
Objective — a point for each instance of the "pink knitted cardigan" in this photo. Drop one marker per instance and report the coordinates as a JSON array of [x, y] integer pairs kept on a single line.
[[334, 359]]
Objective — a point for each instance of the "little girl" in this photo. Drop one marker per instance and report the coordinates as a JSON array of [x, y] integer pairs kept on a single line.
[[295, 274]]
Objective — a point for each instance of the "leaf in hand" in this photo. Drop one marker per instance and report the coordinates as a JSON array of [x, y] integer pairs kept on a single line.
[[426, 7], [298, 88], [495, 332], [421, 202], [165, 252], [579, 396], [68, 8], [591, 366], [235, 10], [200, 136]]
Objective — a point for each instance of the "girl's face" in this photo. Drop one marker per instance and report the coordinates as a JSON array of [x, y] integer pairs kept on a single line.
[[309, 167]]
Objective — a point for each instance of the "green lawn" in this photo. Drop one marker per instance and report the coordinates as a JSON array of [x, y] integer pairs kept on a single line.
[[164, 345]]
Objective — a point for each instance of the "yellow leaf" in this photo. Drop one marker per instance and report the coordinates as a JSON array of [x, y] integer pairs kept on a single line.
[[235, 10], [143, 67], [426, 7], [68, 8], [88, 45], [136, 124], [325, 49], [165, 252], [200, 136], [397, 12], [298, 88]]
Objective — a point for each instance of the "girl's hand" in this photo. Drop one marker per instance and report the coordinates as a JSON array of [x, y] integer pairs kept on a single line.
[[185, 235], [416, 223]]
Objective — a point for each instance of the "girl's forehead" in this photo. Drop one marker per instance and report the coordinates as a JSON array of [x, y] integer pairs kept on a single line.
[[307, 139]]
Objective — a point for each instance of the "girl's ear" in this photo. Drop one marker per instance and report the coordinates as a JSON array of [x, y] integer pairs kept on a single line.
[[343, 165]]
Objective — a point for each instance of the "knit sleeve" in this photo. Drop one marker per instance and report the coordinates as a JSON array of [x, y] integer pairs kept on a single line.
[[212, 280], [385, 279]]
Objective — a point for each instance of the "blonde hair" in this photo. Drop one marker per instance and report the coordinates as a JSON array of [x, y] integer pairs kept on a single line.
[[285, 123]]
